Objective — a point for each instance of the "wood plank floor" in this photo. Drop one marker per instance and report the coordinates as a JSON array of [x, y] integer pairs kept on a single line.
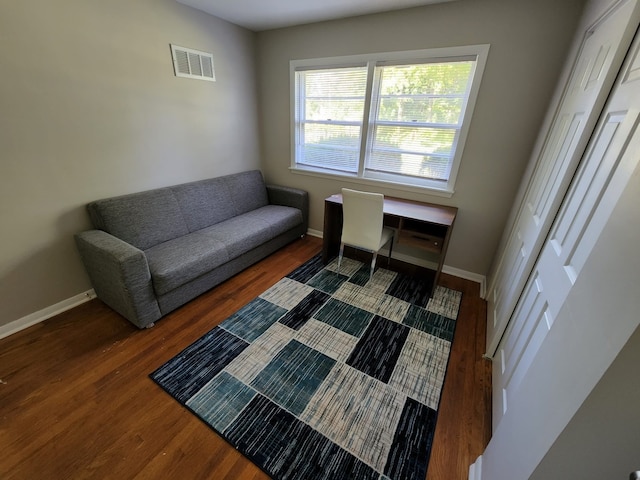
[[76, 400]]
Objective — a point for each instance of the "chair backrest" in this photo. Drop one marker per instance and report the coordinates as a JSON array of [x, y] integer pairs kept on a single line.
[[362, 218]]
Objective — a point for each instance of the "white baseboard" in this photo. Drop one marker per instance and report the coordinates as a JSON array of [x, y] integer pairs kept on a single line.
[[474, 277], [475, 469], [456, 272], [314, 233], [45, 313]]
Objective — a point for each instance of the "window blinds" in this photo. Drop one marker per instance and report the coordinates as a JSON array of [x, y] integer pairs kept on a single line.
[[330, 116]]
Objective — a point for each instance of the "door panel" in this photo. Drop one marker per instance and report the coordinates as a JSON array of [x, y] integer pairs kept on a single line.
[[545, 186], [522, 339], [603, 174]]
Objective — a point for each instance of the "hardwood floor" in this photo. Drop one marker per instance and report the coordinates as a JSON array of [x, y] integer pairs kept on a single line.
[[76, 400]]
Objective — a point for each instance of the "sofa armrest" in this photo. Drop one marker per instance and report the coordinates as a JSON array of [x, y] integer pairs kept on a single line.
[[120, 276], [290, 197]]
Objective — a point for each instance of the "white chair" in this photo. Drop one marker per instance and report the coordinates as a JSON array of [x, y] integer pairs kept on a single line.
[[362, 225]]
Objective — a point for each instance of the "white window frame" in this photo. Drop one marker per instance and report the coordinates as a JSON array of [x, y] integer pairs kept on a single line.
[[479, 53]]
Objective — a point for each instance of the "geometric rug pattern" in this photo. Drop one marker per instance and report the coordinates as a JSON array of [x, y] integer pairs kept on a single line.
[[325, 375]]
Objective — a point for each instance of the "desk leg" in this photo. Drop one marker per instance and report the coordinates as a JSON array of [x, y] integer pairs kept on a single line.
[[332, 230], [443, 254]]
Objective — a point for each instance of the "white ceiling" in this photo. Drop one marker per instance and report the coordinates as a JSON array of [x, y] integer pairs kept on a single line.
[[260, 15]]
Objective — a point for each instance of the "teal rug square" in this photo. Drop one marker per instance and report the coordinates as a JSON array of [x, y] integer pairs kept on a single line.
[[349, 319], [253, 320], [293, 376]]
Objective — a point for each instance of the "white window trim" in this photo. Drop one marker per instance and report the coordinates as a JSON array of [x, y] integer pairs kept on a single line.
[[446, 189]]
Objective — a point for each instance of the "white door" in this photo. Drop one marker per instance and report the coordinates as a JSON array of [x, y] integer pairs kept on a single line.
[[599, 59], [612, 156]]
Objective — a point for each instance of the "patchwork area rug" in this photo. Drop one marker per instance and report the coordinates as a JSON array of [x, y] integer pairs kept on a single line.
[[325, 375]]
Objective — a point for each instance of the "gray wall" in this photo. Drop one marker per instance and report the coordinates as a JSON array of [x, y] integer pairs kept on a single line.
[[89, 108], [529, 42]]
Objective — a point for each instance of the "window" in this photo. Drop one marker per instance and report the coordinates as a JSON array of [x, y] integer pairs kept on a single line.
[[399, 118]]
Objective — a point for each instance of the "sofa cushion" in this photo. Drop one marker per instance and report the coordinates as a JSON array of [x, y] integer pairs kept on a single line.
[[142, 219], [248, 191], [205, 203], [240, 234], [244, 232], [182, 259], [280, 218]]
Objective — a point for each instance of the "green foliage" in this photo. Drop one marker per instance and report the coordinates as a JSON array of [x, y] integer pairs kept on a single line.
[[449, 78], [425, 95]]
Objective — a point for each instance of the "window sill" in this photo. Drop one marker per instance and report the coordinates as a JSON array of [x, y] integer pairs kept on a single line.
[[369, 181]]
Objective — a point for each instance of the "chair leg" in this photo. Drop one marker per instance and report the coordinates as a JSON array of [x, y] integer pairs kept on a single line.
[[340, 257], [390, 250], [373, 264]]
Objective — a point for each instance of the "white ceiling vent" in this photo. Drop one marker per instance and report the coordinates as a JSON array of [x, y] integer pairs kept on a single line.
[[191, 63]]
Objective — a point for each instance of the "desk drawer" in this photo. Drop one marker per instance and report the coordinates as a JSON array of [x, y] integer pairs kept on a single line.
[[421, 240]]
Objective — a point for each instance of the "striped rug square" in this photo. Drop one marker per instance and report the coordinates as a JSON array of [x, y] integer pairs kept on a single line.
[[327, 375]]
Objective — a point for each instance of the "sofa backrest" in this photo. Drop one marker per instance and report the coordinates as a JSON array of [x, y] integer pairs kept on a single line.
[[148, 218], [142, 219], [207, 202], [248, 191]]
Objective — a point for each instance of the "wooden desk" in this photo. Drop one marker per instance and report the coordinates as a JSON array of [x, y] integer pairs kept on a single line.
[[425, 226]]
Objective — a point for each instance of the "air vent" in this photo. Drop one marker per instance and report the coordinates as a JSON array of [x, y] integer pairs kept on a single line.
[[191, 63]]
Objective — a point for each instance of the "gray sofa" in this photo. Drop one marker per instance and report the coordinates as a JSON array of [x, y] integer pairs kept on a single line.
[[153, 251]]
